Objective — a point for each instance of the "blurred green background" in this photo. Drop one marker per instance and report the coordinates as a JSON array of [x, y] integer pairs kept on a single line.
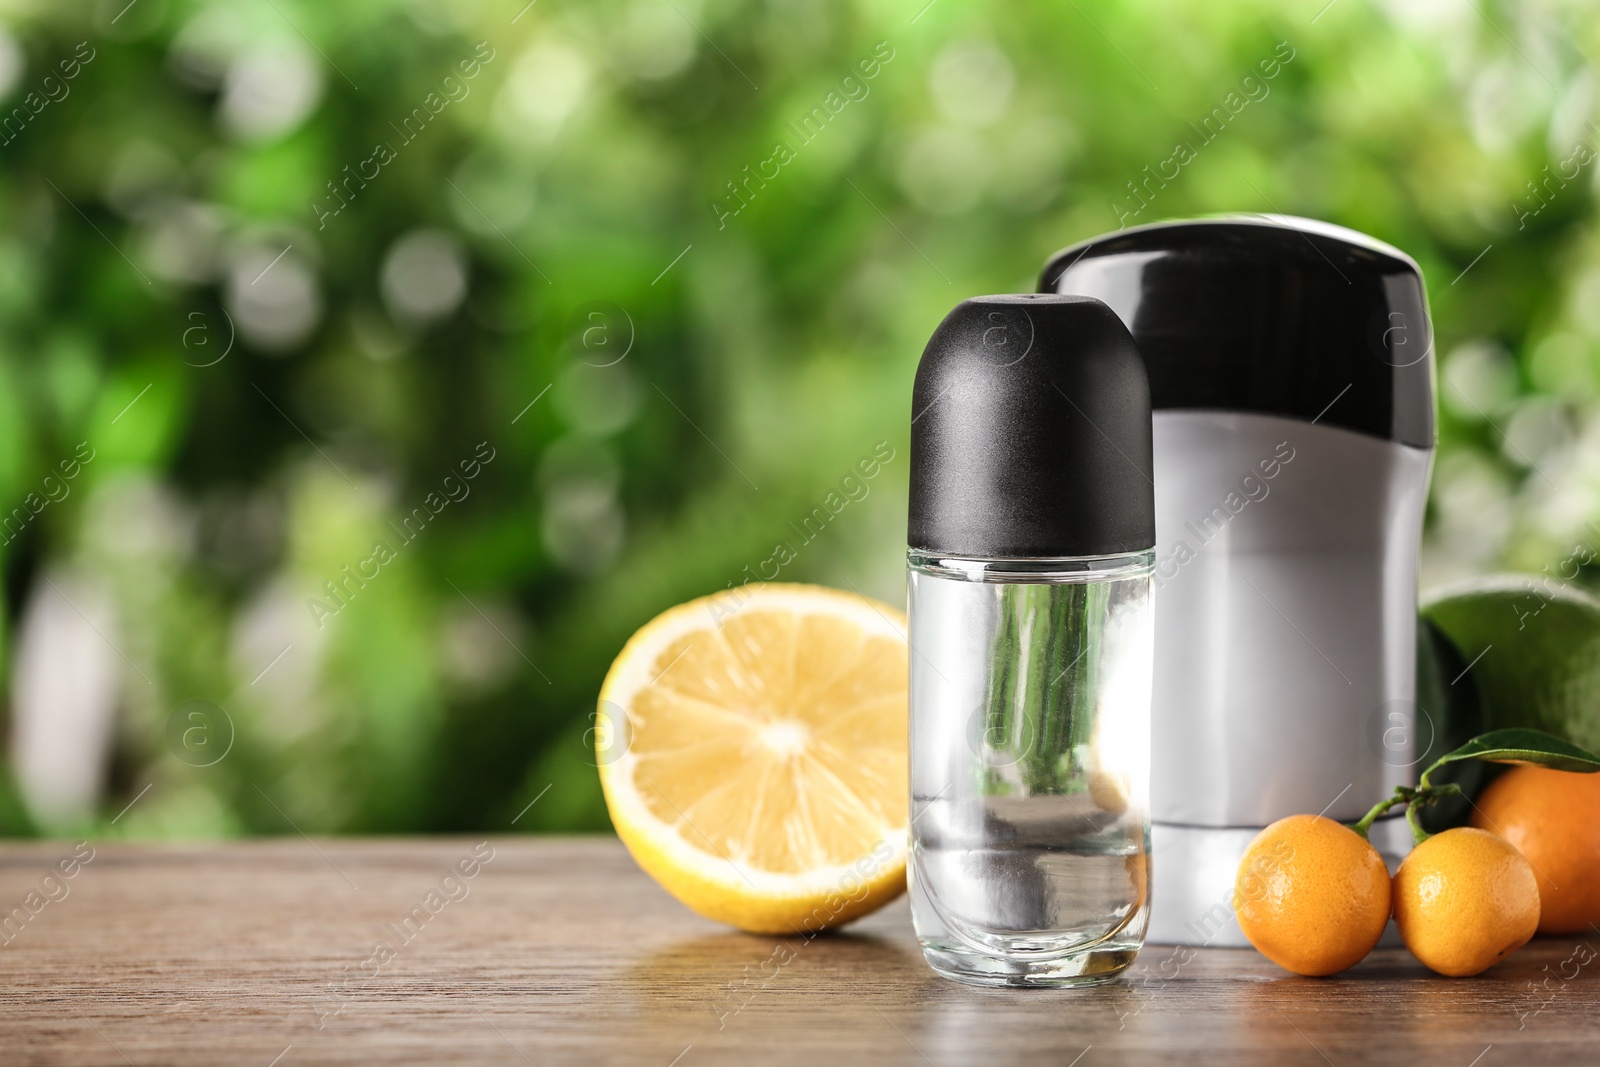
[[272, 272]]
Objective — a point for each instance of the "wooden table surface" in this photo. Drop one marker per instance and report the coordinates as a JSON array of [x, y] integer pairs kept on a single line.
[[558, 950]]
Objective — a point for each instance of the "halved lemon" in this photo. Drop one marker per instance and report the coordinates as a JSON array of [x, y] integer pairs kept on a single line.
[[752, 749]]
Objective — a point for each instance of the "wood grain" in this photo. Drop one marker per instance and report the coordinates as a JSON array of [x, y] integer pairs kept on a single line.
[[560, 951]]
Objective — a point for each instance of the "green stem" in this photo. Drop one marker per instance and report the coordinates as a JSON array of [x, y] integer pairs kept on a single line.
[[1428, 794], [1415, 800], [1418, 834], [1402, 795]]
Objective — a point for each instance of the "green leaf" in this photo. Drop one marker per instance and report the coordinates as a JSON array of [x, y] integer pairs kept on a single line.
[[1520, 746]]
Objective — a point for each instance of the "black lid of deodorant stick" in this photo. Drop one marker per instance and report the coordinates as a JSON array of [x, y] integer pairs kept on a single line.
[[1270, 315], [1030, 433]]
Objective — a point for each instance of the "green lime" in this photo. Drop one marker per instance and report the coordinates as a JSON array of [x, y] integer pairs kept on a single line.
[[1532, 647]]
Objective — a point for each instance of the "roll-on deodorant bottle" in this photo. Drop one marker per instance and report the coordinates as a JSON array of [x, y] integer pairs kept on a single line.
[[1031, 541]]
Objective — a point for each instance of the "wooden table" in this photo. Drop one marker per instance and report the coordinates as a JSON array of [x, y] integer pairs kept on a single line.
[[558, 950]]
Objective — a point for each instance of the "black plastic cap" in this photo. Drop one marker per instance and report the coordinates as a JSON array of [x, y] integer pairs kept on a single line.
[[1030, 433], [1268, 314]]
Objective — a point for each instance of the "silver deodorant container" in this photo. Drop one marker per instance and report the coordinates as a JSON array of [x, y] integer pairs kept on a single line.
[[1291, 376]]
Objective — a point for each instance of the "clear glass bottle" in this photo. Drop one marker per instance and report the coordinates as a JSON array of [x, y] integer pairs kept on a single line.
[[1030, 719], [1031, 537]]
